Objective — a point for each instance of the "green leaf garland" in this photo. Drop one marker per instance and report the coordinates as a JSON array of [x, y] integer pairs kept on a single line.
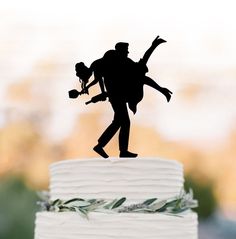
[[173, 206]]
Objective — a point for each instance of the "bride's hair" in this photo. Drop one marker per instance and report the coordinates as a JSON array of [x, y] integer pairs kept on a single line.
[[83, 72]]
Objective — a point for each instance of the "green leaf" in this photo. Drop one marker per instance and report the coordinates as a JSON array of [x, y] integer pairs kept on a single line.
[[97, 204], [143, 210], [149, 201], [110, 204], [66, 209], [57, 209], [77, 203], [178, 210], [172, 203], [56, 202], [92, 200], [83, 212], [168, 205], [74, 199], [119, 203], [158, 205], [63, 207]]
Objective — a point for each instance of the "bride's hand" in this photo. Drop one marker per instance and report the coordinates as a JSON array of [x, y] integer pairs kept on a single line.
[[85, 91]]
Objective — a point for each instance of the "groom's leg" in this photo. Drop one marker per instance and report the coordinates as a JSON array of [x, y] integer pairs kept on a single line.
[[125, 127], [113, 127]]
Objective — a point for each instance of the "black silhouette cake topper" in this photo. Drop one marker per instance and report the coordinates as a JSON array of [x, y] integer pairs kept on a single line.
[[121, 80]]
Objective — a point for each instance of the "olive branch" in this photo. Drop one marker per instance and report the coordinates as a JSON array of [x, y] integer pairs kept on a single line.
[[173, 206]]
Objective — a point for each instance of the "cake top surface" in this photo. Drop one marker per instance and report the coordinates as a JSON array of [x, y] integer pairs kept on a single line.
[[115, 160]]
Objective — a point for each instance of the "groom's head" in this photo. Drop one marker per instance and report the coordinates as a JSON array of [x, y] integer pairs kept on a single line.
[[122, 49]]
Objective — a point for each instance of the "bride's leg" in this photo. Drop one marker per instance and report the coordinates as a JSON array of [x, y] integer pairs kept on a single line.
[[150, 82]]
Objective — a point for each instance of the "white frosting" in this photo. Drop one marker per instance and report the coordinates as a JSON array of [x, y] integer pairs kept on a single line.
[[136, 179], [70, 225]]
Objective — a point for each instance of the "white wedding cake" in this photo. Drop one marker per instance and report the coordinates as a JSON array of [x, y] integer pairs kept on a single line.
[[138, 198]]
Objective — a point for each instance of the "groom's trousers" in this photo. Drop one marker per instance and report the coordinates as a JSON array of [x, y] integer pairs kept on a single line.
[[121, 121]]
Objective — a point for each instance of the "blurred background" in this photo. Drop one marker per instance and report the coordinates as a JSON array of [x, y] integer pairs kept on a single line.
[[40, 43]]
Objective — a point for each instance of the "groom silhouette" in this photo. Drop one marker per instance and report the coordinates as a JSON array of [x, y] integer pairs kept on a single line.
[[115, 65]]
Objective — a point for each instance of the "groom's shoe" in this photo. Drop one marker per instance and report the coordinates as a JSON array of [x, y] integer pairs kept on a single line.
[[127, 154], [98, 149]]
